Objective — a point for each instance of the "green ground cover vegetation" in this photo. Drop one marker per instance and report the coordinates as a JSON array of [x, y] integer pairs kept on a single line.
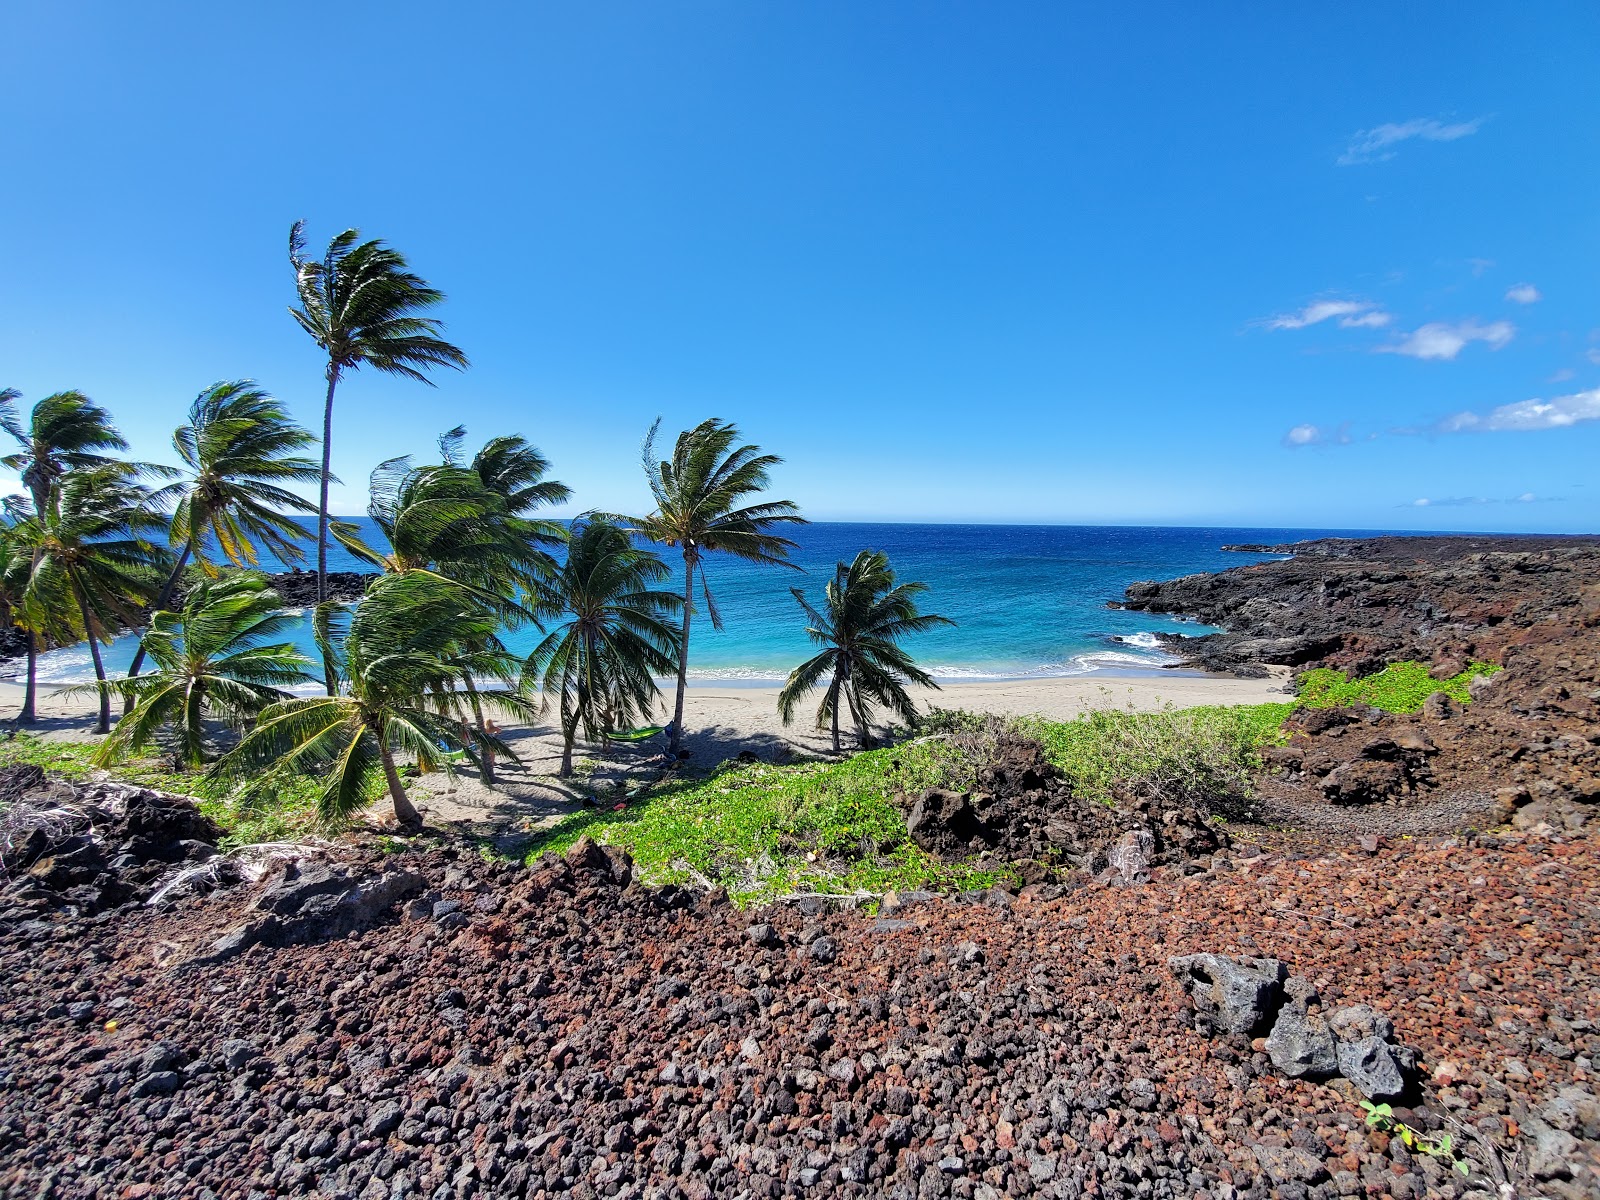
[[1399, 688]]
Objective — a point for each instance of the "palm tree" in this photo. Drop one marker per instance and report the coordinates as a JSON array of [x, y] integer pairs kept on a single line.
[[66, 432], [237, 448], [602, 661], [449, 520], [865, 614], [698, 495], [360, 304], [399, 654], [442, 520], [215, 660], [92, 546], [42, 617], [510, 467], [514, 470]]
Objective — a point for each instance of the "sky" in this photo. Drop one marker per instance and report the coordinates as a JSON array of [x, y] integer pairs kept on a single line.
[[1316, 266]]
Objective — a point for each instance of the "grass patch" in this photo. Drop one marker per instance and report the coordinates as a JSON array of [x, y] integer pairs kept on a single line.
[[1399, 688], [762, 831], [1208, 751], [272, 809]]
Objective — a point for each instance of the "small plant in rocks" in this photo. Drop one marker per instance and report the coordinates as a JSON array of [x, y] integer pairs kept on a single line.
[[1435, 1145]]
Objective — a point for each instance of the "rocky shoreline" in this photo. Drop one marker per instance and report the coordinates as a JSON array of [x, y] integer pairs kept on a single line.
[[1530, 605]]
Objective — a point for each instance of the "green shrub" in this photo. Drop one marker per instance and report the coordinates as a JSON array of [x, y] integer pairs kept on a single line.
[[1401, 687]]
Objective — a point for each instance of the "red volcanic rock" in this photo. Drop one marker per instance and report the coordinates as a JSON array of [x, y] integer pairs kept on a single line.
[[562, 1030]]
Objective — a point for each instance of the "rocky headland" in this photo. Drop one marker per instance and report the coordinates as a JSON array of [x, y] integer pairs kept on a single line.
[[1526, 747]]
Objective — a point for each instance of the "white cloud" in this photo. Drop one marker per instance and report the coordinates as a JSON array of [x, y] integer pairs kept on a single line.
[[1524, 415], [1443, 340], [1562, 375], [1377, 144], [1352, 314], [1462, 501], [1524, 293], [1317, 435]]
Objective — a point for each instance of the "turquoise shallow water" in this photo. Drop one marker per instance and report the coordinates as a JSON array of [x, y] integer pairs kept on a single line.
[[1028, 600]]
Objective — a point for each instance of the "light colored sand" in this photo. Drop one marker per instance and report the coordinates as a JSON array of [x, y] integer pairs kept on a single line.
[[722, 722]]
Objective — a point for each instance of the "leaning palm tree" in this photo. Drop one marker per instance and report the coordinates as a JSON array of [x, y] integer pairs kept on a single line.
[[43, 616], [399, 653], [94, 545], [216, 661], [601, 661], [66, 431], [237, 449], [865, 613], [698, 494], [510, 467], [360, 303]]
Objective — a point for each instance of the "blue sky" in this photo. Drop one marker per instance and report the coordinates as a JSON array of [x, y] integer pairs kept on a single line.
[[1154, 264]]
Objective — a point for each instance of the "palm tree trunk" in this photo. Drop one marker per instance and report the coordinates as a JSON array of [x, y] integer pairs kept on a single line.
[[404, 811], [569, 733], [676, 740], [28, 715], [838, 693], [322, 504], [485, 755], [163, 598], [859, 712], [91, 635]]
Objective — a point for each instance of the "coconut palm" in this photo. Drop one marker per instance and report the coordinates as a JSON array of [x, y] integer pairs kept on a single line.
[[41, 619], [510, 467], [698, 495], [361, 303], [216, 660], [94, 545], [865, 613], [237, 449], [442, 520], [66, 431], [398, 661], [602, 660]]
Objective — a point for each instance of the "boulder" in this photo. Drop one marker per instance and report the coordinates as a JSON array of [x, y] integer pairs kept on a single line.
[[945, 823], [1231, 996], [1301, 1043]]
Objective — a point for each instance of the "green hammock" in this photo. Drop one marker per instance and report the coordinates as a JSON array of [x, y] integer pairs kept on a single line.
[[635, 735]]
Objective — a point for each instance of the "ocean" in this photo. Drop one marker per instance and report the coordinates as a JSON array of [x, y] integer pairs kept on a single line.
[[1028, 600]]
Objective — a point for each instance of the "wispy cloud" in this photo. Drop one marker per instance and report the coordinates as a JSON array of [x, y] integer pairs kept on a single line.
[[1351, 314], [1317, 435], [1524, 293], [1443, 340], [1463, 501], [1378, 144], [1524, 415]]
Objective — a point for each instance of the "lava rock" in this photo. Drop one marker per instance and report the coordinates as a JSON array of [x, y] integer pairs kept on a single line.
[[1231, 996]]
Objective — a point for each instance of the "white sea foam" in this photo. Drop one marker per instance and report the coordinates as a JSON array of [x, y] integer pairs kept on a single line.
[[1147, 640]]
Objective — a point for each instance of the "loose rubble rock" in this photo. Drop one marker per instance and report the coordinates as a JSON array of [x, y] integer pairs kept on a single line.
[[93, 846], [583, 1035], [1022, 810]]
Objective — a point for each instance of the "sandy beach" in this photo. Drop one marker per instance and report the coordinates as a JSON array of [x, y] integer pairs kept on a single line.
[[722, 722]]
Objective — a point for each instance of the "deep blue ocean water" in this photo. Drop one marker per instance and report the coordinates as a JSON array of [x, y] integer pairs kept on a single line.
[[1028, 600]]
